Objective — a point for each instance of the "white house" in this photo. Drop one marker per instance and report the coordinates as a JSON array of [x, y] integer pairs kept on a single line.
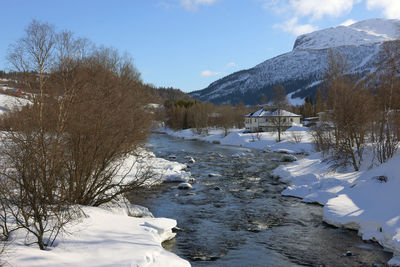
[[264, 120]]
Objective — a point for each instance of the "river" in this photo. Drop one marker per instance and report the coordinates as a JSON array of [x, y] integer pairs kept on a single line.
[[240, 218]]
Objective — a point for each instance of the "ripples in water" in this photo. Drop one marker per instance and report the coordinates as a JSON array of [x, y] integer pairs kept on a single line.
[[241, 219]]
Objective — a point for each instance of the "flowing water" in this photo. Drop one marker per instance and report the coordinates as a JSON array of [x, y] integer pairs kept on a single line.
[[240, 217]]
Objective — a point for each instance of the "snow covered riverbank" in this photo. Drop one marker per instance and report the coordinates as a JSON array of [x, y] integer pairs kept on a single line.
[[109, 236], [161, 170], [103, 238], [294, 140], [367, 200]]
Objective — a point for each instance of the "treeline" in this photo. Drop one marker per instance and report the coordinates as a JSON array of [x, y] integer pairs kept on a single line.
[[184, 114], [361, 115], [163, 94], [311, 107], [68, 147], [11, 75]]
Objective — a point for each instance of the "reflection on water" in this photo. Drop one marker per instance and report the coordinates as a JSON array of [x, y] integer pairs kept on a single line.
[[240, 217]]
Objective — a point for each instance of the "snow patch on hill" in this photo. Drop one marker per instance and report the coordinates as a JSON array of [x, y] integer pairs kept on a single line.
[[8, 102], [360, 33]]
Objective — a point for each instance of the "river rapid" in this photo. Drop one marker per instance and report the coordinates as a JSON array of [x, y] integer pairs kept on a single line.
[[240, 218]]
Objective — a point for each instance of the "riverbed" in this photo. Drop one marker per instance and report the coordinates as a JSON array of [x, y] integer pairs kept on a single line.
[[235, 214]]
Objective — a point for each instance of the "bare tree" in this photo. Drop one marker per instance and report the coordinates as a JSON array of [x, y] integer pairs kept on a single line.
[[108, 125], [240, 110], [296, 137], [279, 102], [225, 117], [199, 116], [350, 106], [33, 159], [319, 103], [69, 146], [385, 130]]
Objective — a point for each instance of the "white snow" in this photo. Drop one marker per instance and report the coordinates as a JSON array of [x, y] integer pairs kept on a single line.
[[295, 101], [184, 186], [272, 113], [356, 200], [162, 170], [360, 33], [8, 102], [103, 238]]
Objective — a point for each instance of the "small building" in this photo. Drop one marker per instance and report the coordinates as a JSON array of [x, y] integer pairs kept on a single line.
[[264, 120], [12, 91], [310, 121], [17, 91]]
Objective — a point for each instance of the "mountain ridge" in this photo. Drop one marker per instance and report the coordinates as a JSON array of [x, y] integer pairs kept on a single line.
[[301, 70]]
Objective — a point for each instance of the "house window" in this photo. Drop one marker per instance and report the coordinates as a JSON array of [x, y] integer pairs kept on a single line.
[[291, 119]]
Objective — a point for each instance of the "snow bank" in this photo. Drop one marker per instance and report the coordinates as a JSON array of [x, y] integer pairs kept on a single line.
[[260, 141], [109, 236], [161, 170], [8, 102], [362, 200], [103, 238]]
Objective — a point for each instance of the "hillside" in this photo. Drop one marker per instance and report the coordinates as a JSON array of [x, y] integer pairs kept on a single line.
[[302, 70]]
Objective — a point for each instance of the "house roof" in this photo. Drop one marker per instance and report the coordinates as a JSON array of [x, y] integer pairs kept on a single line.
[[272, 113]]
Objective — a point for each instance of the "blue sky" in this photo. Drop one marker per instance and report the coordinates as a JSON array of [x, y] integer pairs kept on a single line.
[[188, 44]]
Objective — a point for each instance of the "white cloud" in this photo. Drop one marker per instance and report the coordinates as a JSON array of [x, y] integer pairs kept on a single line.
[[391, 8], [307, 11], [348, 22], [317, 8], [207, 73], [293, 27], [231, 65], [193, 4]]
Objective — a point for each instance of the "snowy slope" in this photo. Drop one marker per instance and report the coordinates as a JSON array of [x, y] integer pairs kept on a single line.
[[8, 102], [303, 68], [360, 33]]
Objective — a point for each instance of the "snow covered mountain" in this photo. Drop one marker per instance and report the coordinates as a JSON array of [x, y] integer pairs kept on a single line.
[[301, 70]]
